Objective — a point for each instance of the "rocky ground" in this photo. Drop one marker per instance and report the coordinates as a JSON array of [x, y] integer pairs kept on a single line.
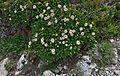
[[85, 64], [111, 69]]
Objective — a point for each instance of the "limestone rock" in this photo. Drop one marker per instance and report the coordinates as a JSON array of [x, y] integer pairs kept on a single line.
[[20, 62], [117, 72], [3, 72], [115, 59], [48, 73]]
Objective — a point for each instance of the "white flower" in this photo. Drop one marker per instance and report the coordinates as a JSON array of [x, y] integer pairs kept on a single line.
[[70, 47], [42, 39], [22, 9], [90, 25], [21, 6], [63, 34], [46, 45], [10, 19], [15, 11], [52, 40], [56, 20], [70, 31], [51, 10], [72, 17], [48, 8], [66, 36], [78, 42], [52, 14], [44, 10], [36, 35], [63, 42], [65, 9], [85, 24], [82, 33], [71, 34], [34, 7], [64, 6], [45, 18], [60, 38], [30, 42], [59, 6], [93, 33], [53, 51], [35, 39], [63, 38], [28, 46], [48, 17], [4, 9], [59, 42], [80, 28], [46, 4], [42, 28], [66, 44], [41, 15], [25, 7], [43, 43], [65, 19], [37, 16], [73, 31], [65, 31], [49, 23]]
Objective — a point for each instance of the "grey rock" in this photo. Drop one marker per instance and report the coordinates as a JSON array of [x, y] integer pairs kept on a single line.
[[115, 59], [17, 73], [84, 67], [59, 67], [20, 62], [117, 72], [62, 75], [65, 67], [112, 40], [57, 71], [87, 58], [48, 73], [93, 65], [40, 64], [3, 71]]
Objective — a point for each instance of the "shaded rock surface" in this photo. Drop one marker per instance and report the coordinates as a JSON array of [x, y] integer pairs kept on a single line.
[[3, 71]]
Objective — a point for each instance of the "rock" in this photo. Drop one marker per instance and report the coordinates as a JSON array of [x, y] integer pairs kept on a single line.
[[62, 75], [59, 67], [21, 62], [86, 58], [40, 64], [84, 67], [65, 67], [48, 73], [93, 65], [113, 67], [115, 59], [96, 70], [57, 71], [111, 40], [117, 72], [17, 73], [3, 72]]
